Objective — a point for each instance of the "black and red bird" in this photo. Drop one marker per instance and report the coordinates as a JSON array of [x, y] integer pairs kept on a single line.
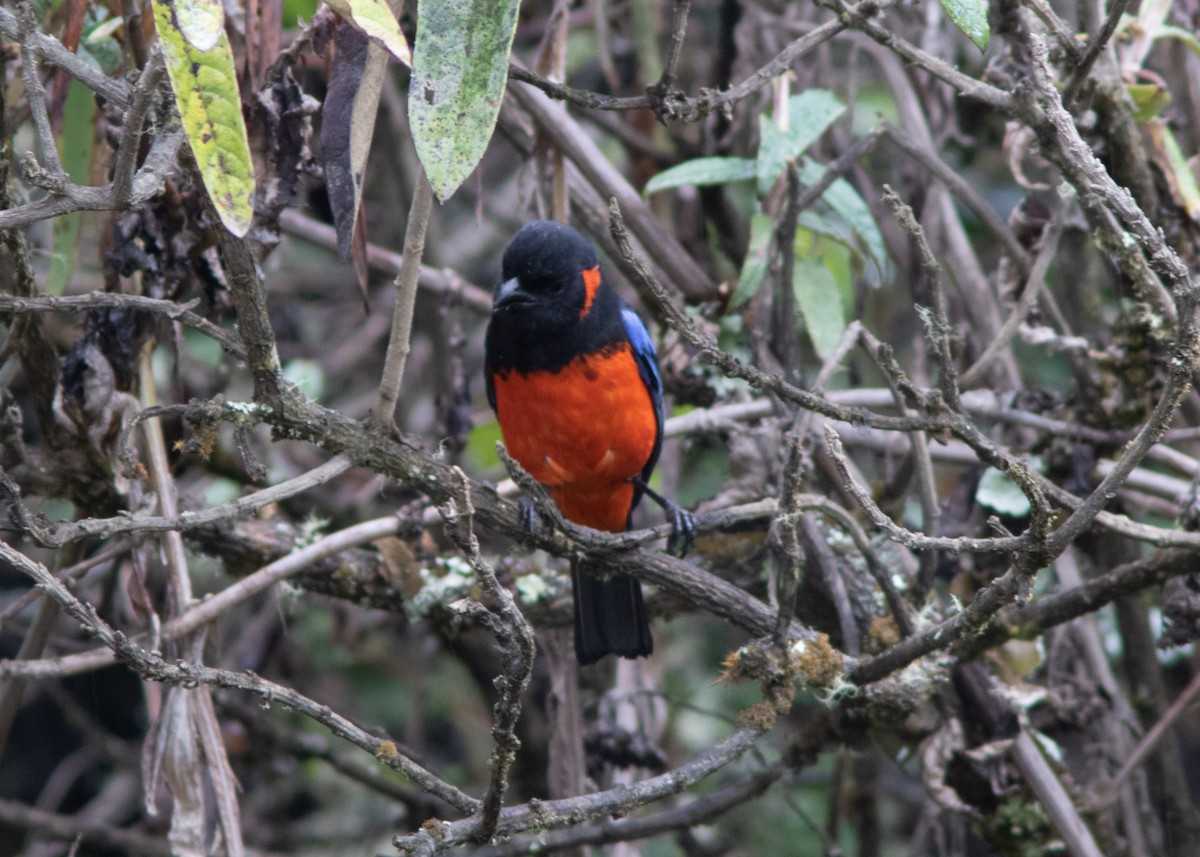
[[573, 378]]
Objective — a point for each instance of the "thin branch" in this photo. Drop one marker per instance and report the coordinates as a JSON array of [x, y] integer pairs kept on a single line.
[[399, 343], [515, 637], [1034, 284], [711, 352], [144, 96], [104, 300], [435, 280], [1096, 46], [68, 828], [663, 93], [784, 528], [699, 811], [688, 109], [550, 814], [115, 89], [212, 607], [153, 667], [863, 17], [57, 535], [937, 321], [71, 197], [962, 189], [35, 96], [1053, 798]]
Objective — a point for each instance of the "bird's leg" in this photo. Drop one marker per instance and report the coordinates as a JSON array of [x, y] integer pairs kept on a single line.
[[683, 522]]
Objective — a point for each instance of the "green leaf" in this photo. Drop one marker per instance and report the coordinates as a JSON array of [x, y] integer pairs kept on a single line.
[[845, 201], [809, 115], [1178, 171], [755, 266], [307, 375], [201, 21], [1149, 100], [206, 92], [701, 171], [820, 299], [481, 445], [970, 16], [75, 146], [377, 22], [773, 153], [999, 493], [1189, 38], [460, 66]]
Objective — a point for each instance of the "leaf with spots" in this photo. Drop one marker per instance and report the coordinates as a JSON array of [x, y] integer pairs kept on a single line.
[[206, 92], [460, 66], [202, 22]]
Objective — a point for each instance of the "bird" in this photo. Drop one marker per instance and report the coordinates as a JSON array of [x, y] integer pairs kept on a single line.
[[572, 374]]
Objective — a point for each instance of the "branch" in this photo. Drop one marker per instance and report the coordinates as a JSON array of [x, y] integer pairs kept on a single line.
[[515, 637], [551, 814], [153, 667], [682, 108], [105, 300], [699, 811], [50, 49], [399, 342]]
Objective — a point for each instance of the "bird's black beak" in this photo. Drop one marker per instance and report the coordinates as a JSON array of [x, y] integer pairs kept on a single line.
[[509, 293]]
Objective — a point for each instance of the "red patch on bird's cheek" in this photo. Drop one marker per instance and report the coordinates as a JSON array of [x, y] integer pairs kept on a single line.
[[591, 282]]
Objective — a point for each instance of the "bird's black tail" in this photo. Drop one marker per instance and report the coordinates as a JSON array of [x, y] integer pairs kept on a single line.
[[610, 616]]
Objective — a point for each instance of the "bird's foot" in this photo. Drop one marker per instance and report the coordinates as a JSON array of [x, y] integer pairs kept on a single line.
[[683, 522]]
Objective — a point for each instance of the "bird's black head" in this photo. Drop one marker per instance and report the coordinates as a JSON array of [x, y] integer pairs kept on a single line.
[[543, 273], [551, 304]]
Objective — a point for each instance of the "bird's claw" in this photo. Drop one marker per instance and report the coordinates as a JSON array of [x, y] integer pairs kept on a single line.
[[527, 510], [683, 530], [683, 522]]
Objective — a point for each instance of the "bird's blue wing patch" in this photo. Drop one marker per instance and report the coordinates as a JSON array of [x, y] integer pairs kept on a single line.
[[647, 358], [647, 362]]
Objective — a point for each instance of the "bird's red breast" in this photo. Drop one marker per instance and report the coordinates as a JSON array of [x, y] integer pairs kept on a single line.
[[583, 431]]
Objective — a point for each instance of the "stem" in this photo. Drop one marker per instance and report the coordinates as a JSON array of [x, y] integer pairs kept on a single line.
[[402, 314]]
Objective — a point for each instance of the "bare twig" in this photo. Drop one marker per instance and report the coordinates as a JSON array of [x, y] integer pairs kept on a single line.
[[689, 109], [153, 667], [1053, 797], [57, 535], [515, 637], [694, 812], [56, 177], [550, 814], [1029, 295], [711, 352], [437, 281], [115, 89], [1096, 45], [131, 137], [936, 320], [399, 344], [663, 92], [214, 606], [67, 828], [98, 300]]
